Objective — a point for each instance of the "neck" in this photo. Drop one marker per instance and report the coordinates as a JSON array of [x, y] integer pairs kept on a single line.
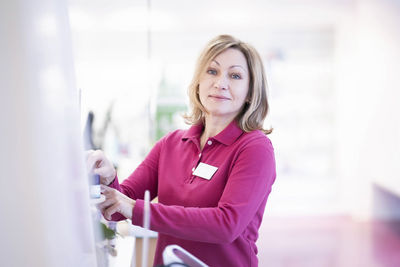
[[212, 127]]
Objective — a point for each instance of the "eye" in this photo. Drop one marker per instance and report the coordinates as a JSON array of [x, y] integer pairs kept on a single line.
[[236, 76], [212, 71]]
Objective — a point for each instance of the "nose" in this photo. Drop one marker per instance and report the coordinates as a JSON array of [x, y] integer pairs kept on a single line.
[[221, 82]]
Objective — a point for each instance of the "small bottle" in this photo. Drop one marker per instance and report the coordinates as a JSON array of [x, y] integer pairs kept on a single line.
[[95, 191]]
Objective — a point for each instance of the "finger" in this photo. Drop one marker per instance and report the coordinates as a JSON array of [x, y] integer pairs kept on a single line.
[[94, 159], [106, 189], [105, 204], [111, 210], [103, 171], [91, 163], [110, 200]]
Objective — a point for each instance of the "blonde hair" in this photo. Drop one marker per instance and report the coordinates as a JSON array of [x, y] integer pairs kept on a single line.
[[253, 113]]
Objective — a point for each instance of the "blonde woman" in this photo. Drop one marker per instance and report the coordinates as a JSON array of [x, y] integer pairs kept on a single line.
[[212, 180]]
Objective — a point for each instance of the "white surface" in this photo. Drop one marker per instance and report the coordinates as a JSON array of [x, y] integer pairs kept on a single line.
[[171, 255], [44, 200], [125, 247], [138, 231], [146, 226]]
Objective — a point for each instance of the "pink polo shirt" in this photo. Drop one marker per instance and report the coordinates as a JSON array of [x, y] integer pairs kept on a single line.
[[216, 220]]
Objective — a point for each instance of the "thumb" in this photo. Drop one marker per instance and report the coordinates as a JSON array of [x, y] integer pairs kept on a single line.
[[100, 171], [107, 174]]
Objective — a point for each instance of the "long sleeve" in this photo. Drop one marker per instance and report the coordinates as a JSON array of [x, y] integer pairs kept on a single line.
[[247, 188], [145, 177]]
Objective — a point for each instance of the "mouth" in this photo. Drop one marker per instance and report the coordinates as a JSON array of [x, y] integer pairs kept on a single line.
[[219, 97]]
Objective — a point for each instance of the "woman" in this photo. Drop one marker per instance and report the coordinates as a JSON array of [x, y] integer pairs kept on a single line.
[[212, 180]]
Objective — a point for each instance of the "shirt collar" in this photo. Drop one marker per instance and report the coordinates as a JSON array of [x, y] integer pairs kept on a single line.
[[227, 136], [193, 132]]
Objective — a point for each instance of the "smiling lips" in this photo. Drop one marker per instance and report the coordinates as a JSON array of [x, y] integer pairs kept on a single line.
[[219, 97]]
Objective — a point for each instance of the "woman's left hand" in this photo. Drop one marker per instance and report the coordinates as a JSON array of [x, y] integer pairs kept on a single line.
[[115, 202]]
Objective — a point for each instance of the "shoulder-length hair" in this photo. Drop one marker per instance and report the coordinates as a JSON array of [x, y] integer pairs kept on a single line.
[[254, 111]]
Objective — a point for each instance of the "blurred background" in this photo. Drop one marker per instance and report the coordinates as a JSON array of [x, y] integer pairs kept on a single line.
[[332, 68]]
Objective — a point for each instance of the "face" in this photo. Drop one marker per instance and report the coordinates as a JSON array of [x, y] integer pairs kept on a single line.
[[224, 85]]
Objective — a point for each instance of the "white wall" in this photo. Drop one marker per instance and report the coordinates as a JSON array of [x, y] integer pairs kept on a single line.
[[44, 205], [368, 132]]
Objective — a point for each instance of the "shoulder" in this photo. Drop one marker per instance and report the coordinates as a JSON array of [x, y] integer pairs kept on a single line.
[[256, 138], [253, 147], [255, 153]]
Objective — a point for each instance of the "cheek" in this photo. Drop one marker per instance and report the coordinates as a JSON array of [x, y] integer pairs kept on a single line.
[[202, 93], [242, 95], [203, 87]]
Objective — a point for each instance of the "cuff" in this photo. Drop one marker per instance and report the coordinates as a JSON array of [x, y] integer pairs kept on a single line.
[[115, 184], [137, 213]]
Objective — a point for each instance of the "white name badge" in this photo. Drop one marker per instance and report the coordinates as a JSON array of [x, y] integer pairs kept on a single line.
[[205, 171]]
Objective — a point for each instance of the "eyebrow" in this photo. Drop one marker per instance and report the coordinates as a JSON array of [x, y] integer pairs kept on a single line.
[[233, 66]]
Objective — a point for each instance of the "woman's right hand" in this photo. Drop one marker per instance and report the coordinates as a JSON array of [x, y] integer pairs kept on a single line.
[[97, 163]]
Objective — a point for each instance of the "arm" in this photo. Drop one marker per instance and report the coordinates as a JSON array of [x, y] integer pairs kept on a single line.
[[145, 177], [248, 186]]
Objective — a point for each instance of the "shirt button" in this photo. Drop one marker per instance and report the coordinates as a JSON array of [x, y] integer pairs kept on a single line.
[[199, 155], [209, 142]]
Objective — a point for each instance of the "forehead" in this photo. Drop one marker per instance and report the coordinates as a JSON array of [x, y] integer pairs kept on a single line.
[[231, 57]]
